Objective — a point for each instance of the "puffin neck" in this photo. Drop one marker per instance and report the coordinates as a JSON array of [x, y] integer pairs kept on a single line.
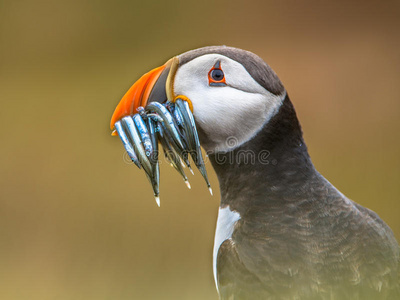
[[271, 165]]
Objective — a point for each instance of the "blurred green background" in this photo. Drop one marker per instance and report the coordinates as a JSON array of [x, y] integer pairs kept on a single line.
[[78, 222]]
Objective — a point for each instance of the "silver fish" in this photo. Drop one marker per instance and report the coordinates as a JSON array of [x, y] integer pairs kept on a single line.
[[168, 120], [137, 144], [155, 178], [192, 138], [172, 156], [127, 144], [144, 134]]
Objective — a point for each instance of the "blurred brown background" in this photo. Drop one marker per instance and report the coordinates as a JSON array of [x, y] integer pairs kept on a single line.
[[78, 222]]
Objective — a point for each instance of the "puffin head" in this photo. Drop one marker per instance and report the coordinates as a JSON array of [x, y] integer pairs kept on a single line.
[[231, 92]]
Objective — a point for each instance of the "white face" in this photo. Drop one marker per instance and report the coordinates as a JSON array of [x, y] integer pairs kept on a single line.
[[229, 115]]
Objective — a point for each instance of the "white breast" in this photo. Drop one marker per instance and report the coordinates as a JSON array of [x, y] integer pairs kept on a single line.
[[225, 225]]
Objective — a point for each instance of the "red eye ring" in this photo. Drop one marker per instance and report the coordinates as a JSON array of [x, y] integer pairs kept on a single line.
[[216, 76]]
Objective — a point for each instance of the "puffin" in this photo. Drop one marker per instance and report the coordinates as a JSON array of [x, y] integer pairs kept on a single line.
[[283, 231]]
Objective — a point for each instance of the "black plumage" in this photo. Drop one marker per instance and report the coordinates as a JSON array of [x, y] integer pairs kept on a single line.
[[298, 236]]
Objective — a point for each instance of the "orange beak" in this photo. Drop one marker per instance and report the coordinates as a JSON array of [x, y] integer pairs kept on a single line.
[[156, 85]]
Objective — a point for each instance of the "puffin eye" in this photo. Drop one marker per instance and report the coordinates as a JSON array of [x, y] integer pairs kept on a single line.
[[216, 76]]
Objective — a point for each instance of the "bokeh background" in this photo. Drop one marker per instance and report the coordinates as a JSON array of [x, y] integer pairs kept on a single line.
[[79, 222]]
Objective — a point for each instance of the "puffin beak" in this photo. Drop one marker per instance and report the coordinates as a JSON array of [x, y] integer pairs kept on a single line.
[[140, 130], [154, 86]]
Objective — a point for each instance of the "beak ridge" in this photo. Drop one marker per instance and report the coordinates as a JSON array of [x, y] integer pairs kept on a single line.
[[154, 86]]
